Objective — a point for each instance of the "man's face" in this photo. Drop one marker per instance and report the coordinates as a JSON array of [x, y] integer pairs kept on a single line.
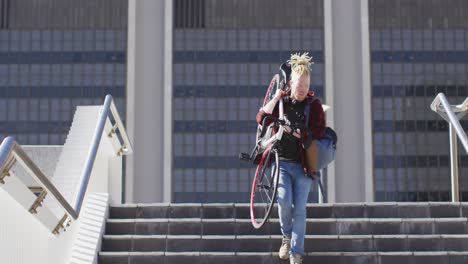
[[299, 86]]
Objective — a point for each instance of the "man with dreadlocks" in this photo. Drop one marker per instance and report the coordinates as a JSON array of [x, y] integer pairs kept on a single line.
[[294, 179]]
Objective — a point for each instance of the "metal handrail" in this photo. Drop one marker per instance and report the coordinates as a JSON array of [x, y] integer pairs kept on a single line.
[[441, 106], [10, 151], [125, 149]]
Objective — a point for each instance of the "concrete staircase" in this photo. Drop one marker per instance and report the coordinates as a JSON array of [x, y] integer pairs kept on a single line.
[[382, 233]]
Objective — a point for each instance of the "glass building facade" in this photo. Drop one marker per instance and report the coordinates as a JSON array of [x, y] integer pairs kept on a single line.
[[418, 48], [55, 55], [225, 54]]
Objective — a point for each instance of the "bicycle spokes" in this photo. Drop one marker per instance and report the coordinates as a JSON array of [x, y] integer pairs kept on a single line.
[[265, 185], [264, 189]]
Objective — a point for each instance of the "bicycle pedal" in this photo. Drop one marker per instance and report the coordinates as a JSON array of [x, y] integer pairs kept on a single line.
[[244, 156]]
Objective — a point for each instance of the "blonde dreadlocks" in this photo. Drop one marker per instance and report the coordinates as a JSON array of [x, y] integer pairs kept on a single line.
[[300, 63]]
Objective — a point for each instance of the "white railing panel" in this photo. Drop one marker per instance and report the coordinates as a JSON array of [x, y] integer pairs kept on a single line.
[[23, 239], [68, 172]]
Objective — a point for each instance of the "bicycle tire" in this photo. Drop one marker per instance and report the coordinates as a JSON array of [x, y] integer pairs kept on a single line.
[[264, 188], [274, 84], [271, 91]]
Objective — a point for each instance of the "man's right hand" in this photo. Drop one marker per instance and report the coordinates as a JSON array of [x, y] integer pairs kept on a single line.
[[279, 94]]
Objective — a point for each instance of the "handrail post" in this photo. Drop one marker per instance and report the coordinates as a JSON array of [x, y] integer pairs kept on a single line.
[[441, 106], [454, 164], [319, 192]]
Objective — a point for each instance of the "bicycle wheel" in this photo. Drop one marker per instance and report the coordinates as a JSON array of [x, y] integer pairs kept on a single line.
[[264, 186], [270, 93], [274, 85]]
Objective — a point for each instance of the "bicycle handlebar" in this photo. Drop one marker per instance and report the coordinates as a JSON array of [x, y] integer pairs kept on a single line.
[[278, 121]]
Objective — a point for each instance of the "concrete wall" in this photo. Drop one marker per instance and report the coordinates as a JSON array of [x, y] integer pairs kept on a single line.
[[348, 87], [45, 157], [149, 100]]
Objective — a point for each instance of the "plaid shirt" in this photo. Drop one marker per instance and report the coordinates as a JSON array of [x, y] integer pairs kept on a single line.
[[316, 117], [317, 122]]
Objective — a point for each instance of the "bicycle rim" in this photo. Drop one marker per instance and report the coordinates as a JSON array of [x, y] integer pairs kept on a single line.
[[264, 188], [274, 85]]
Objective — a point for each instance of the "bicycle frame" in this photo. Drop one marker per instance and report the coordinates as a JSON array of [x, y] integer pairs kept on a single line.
[[266, 156], [277, 137], [262, 187]]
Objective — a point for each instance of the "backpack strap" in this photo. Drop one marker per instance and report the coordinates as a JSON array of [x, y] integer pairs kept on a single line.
[[307, 109], [310, 99]]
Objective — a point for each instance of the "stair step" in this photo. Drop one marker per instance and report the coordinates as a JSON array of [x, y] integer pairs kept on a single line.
[[381, 233], [442, 257], [319, 226], [313, 243], [242, 211]]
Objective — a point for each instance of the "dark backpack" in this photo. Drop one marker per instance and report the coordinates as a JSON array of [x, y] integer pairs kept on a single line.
[[329, 132]]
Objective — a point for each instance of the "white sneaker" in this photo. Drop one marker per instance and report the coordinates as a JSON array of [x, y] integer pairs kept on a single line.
[[285, 247], [295, 259]]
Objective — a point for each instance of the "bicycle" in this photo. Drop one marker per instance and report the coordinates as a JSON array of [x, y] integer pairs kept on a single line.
[[265, 155]]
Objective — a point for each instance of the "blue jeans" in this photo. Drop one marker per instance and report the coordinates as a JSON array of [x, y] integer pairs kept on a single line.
[[293, 191]]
